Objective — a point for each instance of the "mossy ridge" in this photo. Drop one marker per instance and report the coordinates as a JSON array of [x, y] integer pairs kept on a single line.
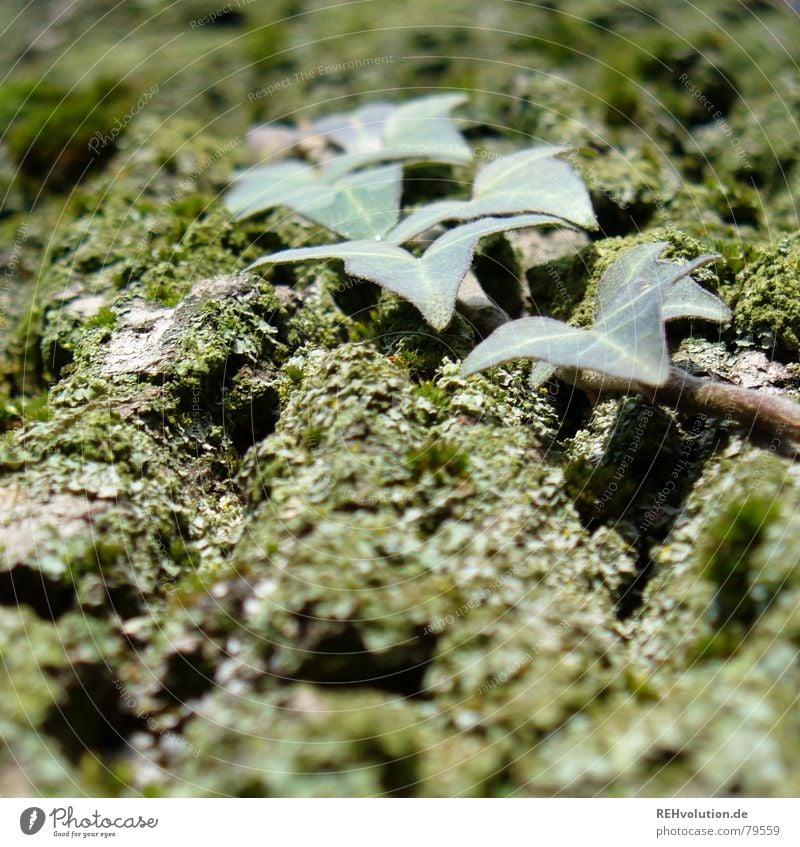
[[711, 734], [691, 676], [742, 497], [436, 746], [57, 682], [114, 513], [767, 301], [128, 235], [450, 589]]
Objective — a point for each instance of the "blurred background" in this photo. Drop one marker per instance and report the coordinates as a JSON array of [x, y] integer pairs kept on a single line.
[[687, 111], [674, 79], [132, 671]]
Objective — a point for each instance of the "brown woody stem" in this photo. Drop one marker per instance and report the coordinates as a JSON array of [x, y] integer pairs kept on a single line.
[[765, 412]]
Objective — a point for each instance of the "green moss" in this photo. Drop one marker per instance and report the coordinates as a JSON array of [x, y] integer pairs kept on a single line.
[[433, 393], [729, 544], [58, 681], [199, 245], [105, 317], [630, 187], [626, 746], [398, 329], [439, 458], [91, 468], [51, 127], [767, 304], [16, 412], [720, 573], [299, 511]]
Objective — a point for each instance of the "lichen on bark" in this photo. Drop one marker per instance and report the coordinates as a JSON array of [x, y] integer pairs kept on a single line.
[[259, 537]]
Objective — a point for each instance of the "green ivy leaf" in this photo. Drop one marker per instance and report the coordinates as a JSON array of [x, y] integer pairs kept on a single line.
[[627, 340], [419, 129], [685, 298], [359, 205], [540, 373], [430, 282], [531, 181], [359, 131]]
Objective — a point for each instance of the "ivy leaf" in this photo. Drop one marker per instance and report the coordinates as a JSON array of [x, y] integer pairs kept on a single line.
[[540, 373], [359, 131], [423, 219], [419, 129], [266, 186], [360, 205], [531, 181], [627, 341], [430, 282], [685, 298]]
